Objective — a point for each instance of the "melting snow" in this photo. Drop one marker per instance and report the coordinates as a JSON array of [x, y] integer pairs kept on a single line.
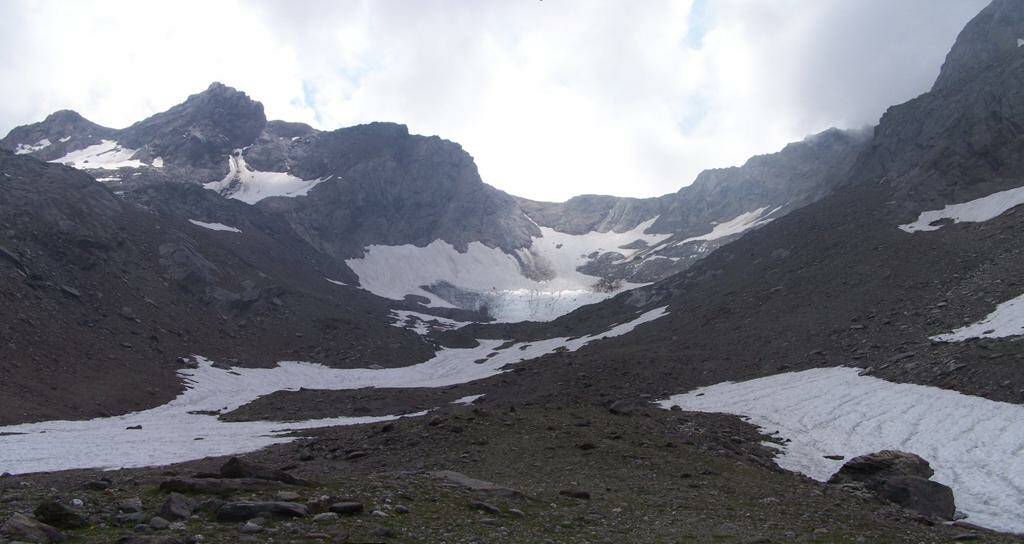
[[214, 226], [974, 444], [106, 155], [740, 223], [974, 211], [468, 399], [497, 279], [169, 433], [23, 149], [252, 186], [1007, 320], [422, 323]]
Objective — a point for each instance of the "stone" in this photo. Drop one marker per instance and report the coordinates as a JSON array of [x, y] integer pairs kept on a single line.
[[325, 517], [159, 523], [177, 506], [347, 507], [484, 507], [60, 516], [213, 486], [575, 493], [133, 504], [900, 478], [245, 510], [402, 509], [20, 527], [152, 539], [250, 527], [238, 468]]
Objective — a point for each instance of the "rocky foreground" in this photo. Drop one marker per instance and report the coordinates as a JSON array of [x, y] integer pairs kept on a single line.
[[481, 473]]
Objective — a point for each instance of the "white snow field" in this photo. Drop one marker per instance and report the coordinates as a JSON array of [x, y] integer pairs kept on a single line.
[[214, 226], [739, 224], [251, 186], [974, 211], [497, 279], [974, 444], [23, 149], [106, 155], [185, 428], [421, 324], [1007, 320]]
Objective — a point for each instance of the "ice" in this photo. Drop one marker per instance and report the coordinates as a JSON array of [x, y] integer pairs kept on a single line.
[[106, 155], [974, 444], [422, 323], [1007, 320], [23, 149], [169, 432], [251, 186], [974, 211], [214, 226], [502, 282]]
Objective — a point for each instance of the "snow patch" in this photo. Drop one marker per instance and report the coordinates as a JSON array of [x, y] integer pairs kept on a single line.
[[492, 278], [973, 444], [739, 224], [158, 162], [251, 186], [106, 155], [1007, 320], [214, 226], [23, 149], [422, 324], [108, 179], [169, 432], [467, 400], [974, 211], [335, 282]]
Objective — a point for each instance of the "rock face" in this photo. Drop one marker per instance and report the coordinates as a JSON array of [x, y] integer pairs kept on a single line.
[[25, 529], [901, 478]]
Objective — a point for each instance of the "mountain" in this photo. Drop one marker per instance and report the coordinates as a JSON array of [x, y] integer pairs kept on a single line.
[[377, 199]]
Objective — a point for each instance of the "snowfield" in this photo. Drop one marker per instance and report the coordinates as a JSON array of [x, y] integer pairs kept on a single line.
[[186, 428], [974, 211], [974, 444], [24, 149], [539, 283], [422, 324], [1007, 320], [106, 155], [251, 186], [739, 224], [214, 226]]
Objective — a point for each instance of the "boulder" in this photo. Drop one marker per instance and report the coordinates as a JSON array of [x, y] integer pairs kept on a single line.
[[20, 527], [238, 468], [59, 515], [901, 478], [244, 510], [177, 506]]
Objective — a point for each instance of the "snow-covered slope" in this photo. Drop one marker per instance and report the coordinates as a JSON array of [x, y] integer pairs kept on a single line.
[[106, 155], [538, 283], [251, 186], [172, 432], [973, 444]]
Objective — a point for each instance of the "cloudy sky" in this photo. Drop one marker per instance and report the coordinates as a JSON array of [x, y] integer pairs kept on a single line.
[[553, 98]]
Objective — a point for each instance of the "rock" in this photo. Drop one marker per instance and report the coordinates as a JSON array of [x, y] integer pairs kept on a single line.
[[575, 493], [97, 485], [238, 468], [289, 496], [402, 509], [624, 407], [473, 484], [901, 478], [211, 486], [177, 506], [325, 517], [159, 523], [244, 510], [250, 528], [133, 504], [151, 540], [380, 531], [133, 518], [20, 527], [58, 515], [516, 512], [484, 507], [346, 508]]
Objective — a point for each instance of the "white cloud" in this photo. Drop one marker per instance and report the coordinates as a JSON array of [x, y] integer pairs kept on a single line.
[[552, 98]]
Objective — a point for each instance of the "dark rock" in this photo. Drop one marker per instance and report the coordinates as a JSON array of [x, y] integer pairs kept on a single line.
[[244, 510], [238, 468], [23, 528], [148, 539], [346, 508], [209, 486], [133, 504], [484, 507], [59, 515], [575, 493], [177, 506], [901, 478]]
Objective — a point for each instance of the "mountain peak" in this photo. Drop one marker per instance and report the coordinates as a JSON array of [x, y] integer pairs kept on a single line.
[[995, 34]]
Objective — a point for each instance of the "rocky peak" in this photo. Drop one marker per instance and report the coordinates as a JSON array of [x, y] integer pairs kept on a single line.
[[201, 131], [994, 35]]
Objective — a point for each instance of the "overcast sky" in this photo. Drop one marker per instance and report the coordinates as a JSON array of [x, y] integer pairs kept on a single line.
[[552, 98]]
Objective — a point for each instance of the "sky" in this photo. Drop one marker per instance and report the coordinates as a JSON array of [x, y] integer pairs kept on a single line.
[[553, 98]]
